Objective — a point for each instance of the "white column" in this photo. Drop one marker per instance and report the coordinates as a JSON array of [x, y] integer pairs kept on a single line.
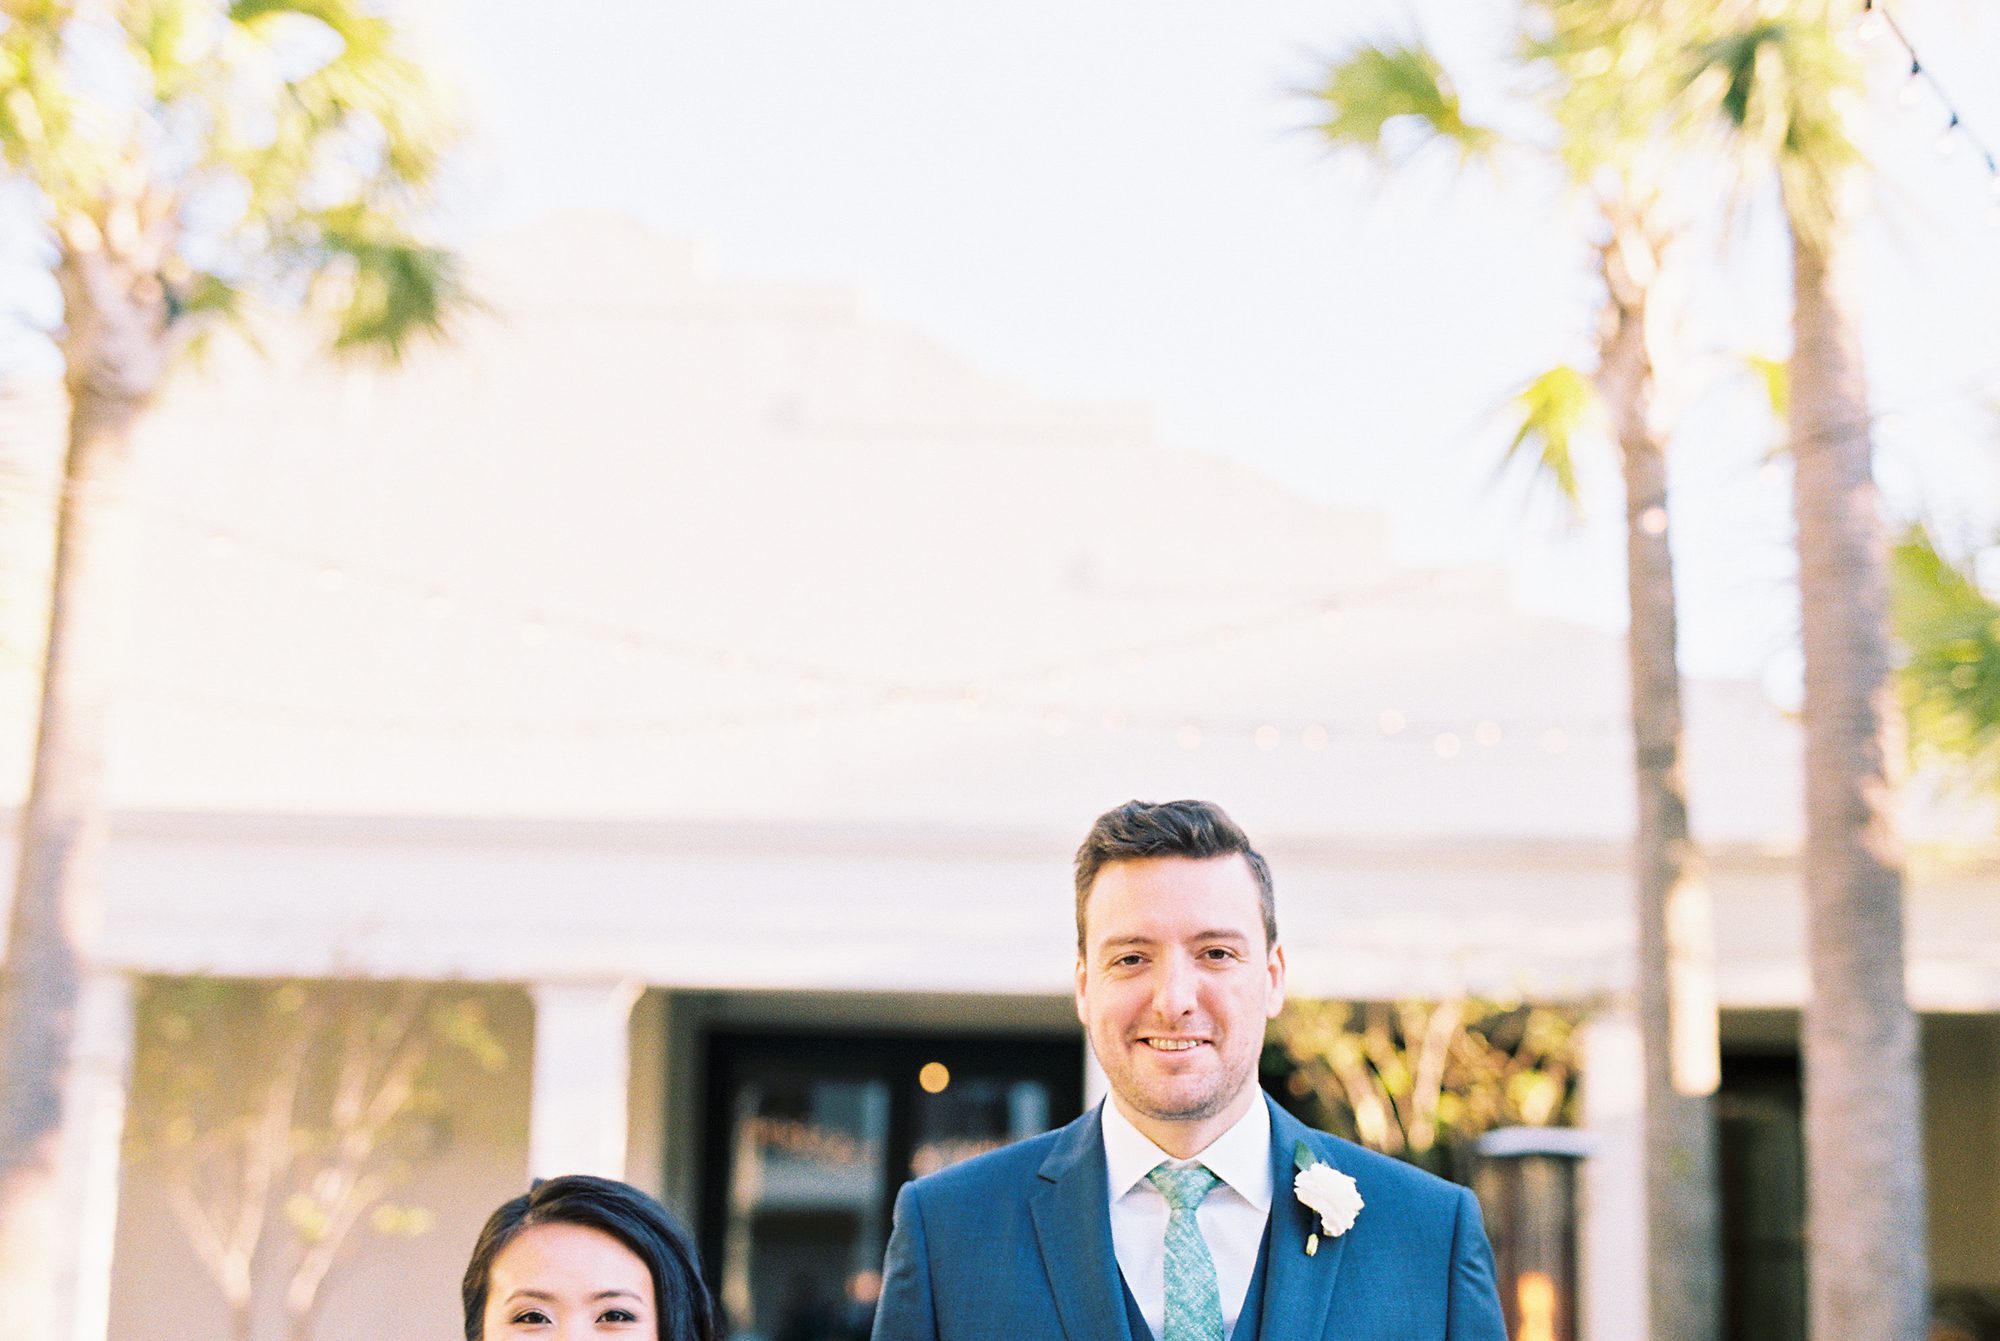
[[95, 1097], [646, 1104], [582, 1076], [1611, 1238]]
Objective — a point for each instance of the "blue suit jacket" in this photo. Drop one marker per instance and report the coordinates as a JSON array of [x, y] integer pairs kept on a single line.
[[1016, 1246]]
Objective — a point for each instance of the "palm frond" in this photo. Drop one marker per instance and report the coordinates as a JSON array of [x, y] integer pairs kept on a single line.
[[1775, 376], [1608, 97], [1779, 85], [1374, 86], [167, 35], [1550, 414], [205, 295], [401, 290], [1950, 678]]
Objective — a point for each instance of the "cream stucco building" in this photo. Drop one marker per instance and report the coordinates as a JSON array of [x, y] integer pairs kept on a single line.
[[707, 666]]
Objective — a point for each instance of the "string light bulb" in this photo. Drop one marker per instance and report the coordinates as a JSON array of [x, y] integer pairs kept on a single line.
[[1948, 138], [1876, 20], [1907, 95]]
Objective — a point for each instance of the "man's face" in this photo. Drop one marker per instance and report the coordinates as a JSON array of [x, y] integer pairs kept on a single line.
[[1174, 985]]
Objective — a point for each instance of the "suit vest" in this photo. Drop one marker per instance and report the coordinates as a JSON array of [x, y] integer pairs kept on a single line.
[[1246, 1321]]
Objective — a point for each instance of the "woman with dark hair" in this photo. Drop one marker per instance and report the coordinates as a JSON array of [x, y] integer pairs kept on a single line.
[[585, 1257]]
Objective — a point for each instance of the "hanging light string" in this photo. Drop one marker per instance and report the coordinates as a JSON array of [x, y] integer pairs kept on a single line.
[[1876, 21], [1024, 693], [1445, 739], [537, 624]]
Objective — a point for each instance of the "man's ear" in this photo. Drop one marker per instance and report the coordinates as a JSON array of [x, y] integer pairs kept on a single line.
[[1081, 1016], [1274, 999]]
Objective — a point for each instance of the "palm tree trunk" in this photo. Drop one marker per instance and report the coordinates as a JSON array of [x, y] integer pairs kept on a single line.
[[1868, 1276], [1676, 941], [53, 925]]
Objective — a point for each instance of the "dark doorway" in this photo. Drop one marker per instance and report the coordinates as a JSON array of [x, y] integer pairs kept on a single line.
[[808, 1138], [1761, 1159]]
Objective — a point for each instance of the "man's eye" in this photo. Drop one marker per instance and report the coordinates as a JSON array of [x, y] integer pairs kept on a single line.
[[1218, 952], [1126, 961]]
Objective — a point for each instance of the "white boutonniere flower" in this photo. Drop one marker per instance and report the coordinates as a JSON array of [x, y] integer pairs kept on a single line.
[[1327, 1193]]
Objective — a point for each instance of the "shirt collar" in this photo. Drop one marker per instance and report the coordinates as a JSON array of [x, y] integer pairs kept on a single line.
[[1240, 1157]]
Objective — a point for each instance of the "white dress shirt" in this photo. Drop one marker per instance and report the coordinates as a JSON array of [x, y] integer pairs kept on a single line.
[[1231, 1217]]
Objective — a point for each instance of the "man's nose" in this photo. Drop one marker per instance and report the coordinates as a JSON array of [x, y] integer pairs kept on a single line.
[[1174, 988]]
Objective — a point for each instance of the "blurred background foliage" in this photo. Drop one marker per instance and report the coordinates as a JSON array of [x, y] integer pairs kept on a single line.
[[286, 1115], [1950, 633], [1421, 1080]]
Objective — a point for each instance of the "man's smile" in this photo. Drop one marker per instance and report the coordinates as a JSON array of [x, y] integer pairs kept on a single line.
[[1174, 1044]]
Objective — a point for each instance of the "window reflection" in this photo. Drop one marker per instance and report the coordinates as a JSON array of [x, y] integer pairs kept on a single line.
[[805, 1213], [974, 1115], [810, 1138]]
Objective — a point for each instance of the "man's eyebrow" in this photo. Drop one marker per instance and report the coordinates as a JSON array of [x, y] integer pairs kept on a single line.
[[1230, 934]]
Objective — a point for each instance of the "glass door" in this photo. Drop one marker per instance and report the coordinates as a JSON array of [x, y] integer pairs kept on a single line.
[[1761, 1167], [809, 1138]]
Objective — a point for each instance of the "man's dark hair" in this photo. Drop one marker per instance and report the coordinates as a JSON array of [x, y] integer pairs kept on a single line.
[[1139, 830], [681, 1303]]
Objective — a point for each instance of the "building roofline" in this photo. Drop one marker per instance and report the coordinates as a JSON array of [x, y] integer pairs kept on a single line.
[[873, 837]]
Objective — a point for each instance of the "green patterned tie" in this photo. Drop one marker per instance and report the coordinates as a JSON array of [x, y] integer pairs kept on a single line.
[[1194, 1307]]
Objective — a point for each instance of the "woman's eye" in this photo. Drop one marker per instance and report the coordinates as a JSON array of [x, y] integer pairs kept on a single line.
[[617, 1315], [530, 1317]]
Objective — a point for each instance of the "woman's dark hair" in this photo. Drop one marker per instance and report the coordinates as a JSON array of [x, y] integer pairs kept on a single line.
[[680, 1299]]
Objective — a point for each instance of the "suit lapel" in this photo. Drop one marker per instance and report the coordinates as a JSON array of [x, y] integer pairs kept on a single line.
[[1297, 1289], [1073, 1229]]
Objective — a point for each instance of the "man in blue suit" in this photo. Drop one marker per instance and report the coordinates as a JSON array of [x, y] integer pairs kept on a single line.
[[1188, 1207]]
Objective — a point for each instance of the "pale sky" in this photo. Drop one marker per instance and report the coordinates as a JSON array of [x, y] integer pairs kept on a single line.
[[1117, 202]]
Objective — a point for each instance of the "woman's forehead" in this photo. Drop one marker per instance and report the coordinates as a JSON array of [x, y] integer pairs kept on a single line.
[[570, 1257]]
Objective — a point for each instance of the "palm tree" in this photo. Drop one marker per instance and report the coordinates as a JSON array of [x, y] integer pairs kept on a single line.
[[1778, 76], [1612, 105], [188, 155]]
